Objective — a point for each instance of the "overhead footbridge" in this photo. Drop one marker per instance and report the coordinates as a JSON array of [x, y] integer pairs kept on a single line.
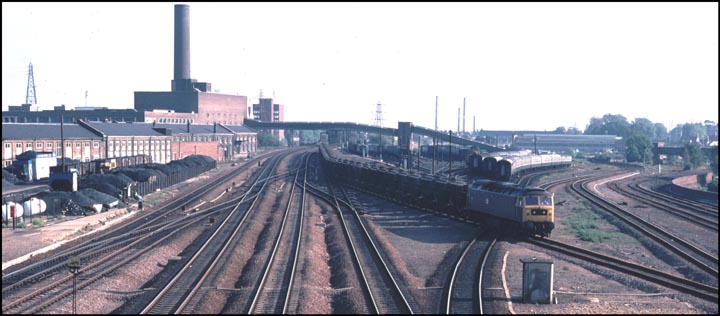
[[404, 131]]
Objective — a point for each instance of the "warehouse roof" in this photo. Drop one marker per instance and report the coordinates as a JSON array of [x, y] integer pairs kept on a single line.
[[125, 129], [45, 131], [194, 128]]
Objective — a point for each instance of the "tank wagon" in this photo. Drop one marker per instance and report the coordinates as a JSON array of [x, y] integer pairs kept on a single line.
[[525, 210]]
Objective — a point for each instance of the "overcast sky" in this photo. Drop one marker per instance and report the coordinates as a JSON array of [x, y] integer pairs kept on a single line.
[[519, 66]]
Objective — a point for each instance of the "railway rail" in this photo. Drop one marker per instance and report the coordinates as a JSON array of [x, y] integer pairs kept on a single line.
[[464, 290], [273, 293], [683, 285], [102, 256], [177, 294], [383, 295], [692, 253]]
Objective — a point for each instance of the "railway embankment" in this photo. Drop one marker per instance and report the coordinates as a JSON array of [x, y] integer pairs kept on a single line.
[[689, 186]]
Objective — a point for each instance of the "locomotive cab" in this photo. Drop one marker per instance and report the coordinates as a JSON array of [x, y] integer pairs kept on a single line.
[[538, 212]]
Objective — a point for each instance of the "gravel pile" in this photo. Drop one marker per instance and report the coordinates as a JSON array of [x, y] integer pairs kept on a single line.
[[111, 183], [105, 189], [98, 197], [137, 174], [8, 178]]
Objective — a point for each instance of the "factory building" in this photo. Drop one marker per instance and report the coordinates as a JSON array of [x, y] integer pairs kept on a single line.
[[24, 114], [146, 129], [80, 143], [219, 141], [189, 100], [131, 139]]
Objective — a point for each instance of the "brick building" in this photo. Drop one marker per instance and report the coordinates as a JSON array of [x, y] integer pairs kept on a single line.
[[268, 111], [80, 143]]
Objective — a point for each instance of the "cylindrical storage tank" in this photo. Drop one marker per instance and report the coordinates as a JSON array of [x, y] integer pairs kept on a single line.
[[34, 206], [7, 210]]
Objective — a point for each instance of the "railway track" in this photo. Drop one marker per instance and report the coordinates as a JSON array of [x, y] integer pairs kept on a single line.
[[272, 295], [382, 292], [692, 253], [115, 237], [683, 285], [695, 206], [177, 294], [98, 257], [463, 294], [703, 221]]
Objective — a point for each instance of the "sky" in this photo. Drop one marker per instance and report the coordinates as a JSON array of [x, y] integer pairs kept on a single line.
[[518, 66]]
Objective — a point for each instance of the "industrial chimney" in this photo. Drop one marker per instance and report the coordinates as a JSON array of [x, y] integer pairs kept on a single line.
[[181, 79]]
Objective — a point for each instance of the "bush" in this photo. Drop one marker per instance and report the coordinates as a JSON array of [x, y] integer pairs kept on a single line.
[[38, 222], [21, 225]]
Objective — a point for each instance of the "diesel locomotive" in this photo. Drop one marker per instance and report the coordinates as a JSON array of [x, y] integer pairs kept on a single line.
[[522, 209]]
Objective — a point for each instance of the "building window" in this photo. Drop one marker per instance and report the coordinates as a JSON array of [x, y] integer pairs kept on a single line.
[[18, 145], [77, 145], [7, 145], [49, 145], [38, 145], [96, 145]]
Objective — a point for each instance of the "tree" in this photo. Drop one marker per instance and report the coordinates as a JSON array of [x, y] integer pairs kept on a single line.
[[570, 152], [609, 124], [573, 131], [714, 160], [661, 132], [639, 148], [264, 140], [633, 154], [644, 127], [693, 132], [688, 132], [693, 157], [309, 137], [560, 130]]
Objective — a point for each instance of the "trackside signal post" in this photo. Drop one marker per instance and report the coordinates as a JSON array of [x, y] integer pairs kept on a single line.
[[74, 266], [538, 281]]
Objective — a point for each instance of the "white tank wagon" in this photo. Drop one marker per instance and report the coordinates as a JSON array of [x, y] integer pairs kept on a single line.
[[34, 206], [6, 211]]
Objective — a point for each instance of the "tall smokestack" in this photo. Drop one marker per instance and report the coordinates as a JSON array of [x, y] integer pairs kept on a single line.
[[458, 130], [182, 48], [436, 99], [463, 115]]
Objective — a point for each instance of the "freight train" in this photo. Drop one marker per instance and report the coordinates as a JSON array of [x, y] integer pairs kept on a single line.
[[390, 153], [523, 209], [103, 165], [444, 152]]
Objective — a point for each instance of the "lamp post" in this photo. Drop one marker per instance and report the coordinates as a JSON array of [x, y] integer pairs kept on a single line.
[[74, 267]]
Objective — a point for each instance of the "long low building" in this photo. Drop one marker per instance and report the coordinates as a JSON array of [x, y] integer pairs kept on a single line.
[[87, 141], [559, 143]]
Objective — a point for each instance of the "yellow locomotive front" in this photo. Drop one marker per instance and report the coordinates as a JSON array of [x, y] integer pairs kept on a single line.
[[538, 212]]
